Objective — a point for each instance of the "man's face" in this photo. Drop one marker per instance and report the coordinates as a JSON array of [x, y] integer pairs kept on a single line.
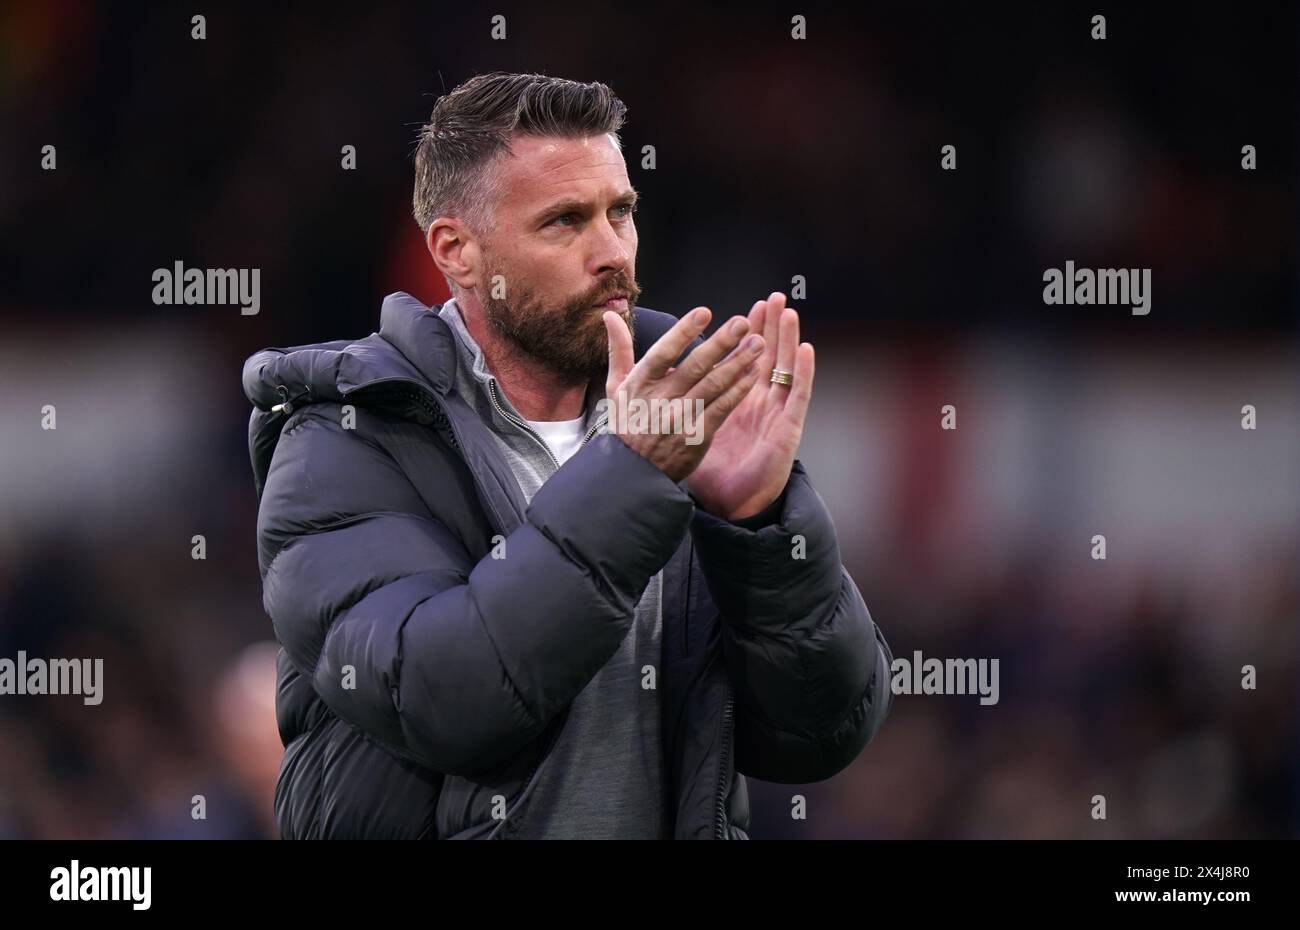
[[564, 244]]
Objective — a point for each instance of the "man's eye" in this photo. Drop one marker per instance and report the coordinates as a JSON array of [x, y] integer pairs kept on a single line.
[[564, 216], [627, 208]]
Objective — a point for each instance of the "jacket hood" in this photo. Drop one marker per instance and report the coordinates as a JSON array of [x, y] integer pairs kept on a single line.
[[409, 333]]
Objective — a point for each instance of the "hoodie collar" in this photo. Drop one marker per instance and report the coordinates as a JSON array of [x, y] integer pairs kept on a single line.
[[468, 346]]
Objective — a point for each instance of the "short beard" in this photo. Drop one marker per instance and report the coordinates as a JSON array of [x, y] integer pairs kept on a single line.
[[570, 339]]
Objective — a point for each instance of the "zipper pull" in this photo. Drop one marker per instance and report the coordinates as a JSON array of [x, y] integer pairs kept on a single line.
[[286, 405]]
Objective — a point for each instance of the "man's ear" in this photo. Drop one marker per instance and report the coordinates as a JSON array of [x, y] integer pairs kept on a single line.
[[454, 250]]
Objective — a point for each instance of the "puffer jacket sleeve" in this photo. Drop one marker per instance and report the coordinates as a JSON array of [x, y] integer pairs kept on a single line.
[[451, 662], [808, 665]]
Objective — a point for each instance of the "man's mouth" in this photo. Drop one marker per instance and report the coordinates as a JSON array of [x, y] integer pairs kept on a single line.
[[617, 303]]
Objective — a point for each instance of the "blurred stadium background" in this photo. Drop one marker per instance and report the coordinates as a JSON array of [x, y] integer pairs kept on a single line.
[[775, 158]]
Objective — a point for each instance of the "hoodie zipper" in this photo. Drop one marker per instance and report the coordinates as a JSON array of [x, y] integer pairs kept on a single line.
[[600, 420], [492, 394]]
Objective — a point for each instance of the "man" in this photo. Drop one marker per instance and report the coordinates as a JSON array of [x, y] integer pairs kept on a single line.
[[505, 611]]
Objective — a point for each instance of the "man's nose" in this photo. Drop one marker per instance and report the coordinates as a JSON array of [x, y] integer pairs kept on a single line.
[[610, 252]]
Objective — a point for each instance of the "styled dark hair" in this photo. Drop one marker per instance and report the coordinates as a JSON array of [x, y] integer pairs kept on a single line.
[[472, 125]]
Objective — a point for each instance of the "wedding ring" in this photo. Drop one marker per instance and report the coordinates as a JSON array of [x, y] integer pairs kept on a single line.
[[779, 376]]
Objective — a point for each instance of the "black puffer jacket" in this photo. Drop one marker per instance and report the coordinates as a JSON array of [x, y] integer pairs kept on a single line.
[[419, 677]]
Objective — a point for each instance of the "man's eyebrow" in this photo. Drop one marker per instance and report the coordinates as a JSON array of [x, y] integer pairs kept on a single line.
[[576, 205]]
